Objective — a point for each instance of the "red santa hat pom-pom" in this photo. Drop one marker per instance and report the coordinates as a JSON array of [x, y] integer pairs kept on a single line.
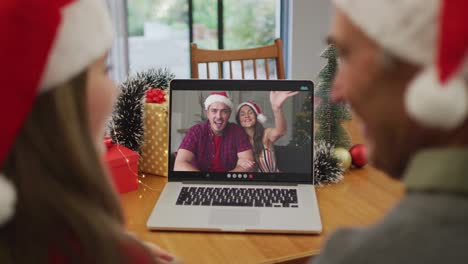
[[7, 199]]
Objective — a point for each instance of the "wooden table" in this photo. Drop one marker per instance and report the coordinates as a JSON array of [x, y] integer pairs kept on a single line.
[[361, 199]]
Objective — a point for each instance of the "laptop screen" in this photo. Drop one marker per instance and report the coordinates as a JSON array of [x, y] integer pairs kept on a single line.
[[262, 131]]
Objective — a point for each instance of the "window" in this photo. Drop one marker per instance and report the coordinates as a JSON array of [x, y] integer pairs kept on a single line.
[[160, 31], [158, 35]]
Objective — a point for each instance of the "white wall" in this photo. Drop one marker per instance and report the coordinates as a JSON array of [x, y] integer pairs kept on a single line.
[[309, 27]]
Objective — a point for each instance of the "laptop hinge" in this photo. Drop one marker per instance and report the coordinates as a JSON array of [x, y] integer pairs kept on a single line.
[[242, 183]]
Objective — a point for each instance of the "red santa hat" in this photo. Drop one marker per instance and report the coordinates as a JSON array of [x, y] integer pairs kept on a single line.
[[430, 33], [47, 43], [221, 97], [260, 116]]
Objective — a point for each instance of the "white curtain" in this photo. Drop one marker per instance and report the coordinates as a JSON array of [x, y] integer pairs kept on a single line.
[[118, 57]]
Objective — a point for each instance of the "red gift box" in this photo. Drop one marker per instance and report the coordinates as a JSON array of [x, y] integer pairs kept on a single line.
[[123, 172]]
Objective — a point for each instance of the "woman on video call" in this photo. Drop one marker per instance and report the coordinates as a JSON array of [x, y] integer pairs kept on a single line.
[[250, 117]]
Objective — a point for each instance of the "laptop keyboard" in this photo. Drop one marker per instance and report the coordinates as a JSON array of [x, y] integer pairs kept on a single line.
[[246, 197]]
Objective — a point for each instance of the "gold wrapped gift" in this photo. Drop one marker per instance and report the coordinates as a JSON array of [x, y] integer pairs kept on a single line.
[[154, 158]]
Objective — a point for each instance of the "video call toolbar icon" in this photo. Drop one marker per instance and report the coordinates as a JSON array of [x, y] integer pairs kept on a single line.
[[239, 176]]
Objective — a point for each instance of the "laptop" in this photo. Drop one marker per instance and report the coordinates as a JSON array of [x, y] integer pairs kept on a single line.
[[283, 201]]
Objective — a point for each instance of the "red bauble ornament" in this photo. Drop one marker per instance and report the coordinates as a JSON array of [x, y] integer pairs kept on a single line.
[[358, 155]]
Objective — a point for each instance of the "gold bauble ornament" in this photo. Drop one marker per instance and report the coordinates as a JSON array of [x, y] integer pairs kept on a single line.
[[343, 156]]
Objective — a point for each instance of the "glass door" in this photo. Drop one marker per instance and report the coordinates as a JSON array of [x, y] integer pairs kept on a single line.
[[160, 31]]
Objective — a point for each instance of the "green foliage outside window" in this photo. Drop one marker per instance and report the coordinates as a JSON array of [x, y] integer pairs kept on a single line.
[[247, 23], [138, 11]]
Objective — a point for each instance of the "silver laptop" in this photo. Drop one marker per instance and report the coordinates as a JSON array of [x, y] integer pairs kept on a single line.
[[282, 201]]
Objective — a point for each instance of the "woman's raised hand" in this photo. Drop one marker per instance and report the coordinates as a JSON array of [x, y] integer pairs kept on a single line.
[[277, 98]]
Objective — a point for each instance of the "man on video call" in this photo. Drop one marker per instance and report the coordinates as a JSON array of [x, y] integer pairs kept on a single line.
[[215, 145], [403, 69]]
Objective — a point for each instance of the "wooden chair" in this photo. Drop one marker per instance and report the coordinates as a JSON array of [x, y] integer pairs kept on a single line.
[[265, 53]]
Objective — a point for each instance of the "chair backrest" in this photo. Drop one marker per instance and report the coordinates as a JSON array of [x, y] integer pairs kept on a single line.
[[264, 53]]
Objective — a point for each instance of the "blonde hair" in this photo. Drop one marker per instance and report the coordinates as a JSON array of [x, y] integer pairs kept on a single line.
[[65, 198]]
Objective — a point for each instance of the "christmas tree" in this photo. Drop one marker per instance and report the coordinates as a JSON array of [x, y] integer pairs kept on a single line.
[[303, 123], [328, 115]]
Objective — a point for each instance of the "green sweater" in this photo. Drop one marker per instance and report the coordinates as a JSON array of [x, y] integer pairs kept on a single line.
[[429, 225]]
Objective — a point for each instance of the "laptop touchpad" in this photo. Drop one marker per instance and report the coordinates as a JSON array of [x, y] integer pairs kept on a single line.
[[234, 217]]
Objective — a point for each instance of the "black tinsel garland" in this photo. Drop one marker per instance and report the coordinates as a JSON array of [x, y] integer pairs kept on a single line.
[[126, 124], [326, 167]]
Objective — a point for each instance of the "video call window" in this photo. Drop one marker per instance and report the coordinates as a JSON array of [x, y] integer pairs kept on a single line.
[[291, 153]]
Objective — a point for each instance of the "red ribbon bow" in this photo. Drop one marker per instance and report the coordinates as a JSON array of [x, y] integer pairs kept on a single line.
[[155, 95]]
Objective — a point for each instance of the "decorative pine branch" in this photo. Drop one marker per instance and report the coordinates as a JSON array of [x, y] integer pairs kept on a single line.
[[326, 167], [126, 124]]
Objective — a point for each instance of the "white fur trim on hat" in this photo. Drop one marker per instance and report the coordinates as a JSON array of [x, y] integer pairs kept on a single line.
[[435, 105], [213, 98], [405, 28], [7, 199], [84, 36], [260, 116]]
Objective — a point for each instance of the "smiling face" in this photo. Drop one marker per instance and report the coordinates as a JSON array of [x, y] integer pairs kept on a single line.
[[375, 92], [247, 116], [218, 114]]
